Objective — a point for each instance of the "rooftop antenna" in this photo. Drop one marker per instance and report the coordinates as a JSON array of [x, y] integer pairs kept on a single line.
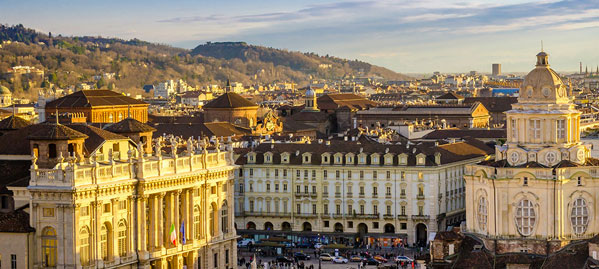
[[56, 116]]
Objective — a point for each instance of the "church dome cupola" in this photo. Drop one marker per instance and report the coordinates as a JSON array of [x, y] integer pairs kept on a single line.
[[542, 59], [310, 101]]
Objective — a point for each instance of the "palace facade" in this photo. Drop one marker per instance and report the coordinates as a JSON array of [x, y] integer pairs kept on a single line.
[[540, 192], [359, 191], [167, 207]]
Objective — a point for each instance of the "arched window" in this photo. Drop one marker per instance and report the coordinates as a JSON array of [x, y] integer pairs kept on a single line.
[[196, 222], [120, 116], [105, 241], [482, 213], [580, 216], [49, 244], [224, 215], [84, 242], [122, 239], [525, 217], [110, 117]]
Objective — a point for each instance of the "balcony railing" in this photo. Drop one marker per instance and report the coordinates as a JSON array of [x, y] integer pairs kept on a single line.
[[420, 196], [421, 217], [402, 217], [388, 216], [365, 216]]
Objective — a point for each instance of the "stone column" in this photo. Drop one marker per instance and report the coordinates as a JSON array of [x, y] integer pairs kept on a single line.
[[153, 229], [141, 220], [160, 221], [114, 203], [176, 209], [169, 219]]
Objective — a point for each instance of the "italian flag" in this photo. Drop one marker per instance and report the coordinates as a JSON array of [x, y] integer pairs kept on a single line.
[[173, 235]]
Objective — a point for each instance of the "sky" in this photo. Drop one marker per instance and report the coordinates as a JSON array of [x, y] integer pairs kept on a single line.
[[407, 36]]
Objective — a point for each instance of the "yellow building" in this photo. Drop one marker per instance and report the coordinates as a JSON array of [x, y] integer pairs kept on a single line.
[[539, 192], [169, 208]]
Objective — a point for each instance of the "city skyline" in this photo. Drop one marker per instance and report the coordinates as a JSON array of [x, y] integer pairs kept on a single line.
[[405, 36]]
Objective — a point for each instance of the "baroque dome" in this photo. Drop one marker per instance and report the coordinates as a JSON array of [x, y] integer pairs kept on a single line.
[[543, 84], [4, 90]]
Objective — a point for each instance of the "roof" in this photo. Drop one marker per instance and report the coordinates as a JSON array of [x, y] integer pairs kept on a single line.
[[187, 130], [54, 131], [96, 136], [459, 133], [352, 101], [450, 96], [494, 104], [230, 100], [424, 110], [93, 98], [309, 116], [449, 152], [12, 171], [129, 125], [13, 123], [16, 221]]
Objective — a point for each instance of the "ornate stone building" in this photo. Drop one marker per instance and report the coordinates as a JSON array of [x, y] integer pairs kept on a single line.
[[233, 108], [357, 191], [540, 191], [98, 106], [170, 207]]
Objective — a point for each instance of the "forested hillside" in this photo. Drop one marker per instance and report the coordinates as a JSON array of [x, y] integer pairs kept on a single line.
[[73, 60]]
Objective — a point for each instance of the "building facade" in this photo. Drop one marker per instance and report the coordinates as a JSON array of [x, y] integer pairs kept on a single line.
[[540, 191], [356, 191], [170, 208]]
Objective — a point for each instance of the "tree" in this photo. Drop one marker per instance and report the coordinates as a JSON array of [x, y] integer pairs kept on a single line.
[[101, 83]]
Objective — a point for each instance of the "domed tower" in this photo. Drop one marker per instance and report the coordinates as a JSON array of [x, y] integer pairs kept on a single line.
[[543, 126], [5, 97], [310, 101]]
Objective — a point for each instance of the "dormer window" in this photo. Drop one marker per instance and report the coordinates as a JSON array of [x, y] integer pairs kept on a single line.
[[403, 159], [285, 157], [420, 159], [306, 158], [338, 158], [252, 157], [362, 159], [325, 158], [268, 157]]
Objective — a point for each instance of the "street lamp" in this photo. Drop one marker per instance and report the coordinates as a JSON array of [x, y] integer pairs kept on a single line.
[[318, 257]]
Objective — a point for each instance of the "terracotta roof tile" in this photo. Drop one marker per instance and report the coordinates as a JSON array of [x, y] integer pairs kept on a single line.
[[16, 221], [93, 98], [230, 100], [129, 125]]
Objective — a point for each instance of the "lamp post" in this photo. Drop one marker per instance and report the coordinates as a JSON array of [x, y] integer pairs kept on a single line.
[[318, 257]]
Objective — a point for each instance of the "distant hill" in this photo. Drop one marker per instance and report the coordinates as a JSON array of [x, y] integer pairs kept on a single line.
[[72, 60]]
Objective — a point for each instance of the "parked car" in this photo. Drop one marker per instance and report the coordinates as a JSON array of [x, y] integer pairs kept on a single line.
[[356, 258], [380, 258], [339, 259], [326, 257], [301, 256], [245, 242], [372, 261], [318, 245], [403, 259], [282, 258]]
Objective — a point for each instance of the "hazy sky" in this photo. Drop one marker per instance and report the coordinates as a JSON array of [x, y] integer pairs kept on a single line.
[[403, 35]]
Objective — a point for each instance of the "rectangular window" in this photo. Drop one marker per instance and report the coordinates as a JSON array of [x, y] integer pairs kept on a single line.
[[226, 256], [277, 187], [361, 209], [267, 172], [305, 189], [361, 174], [324, 174], [375, 224], [579, 181], [388, 191], [403, 226], [325, 189], [326, 224], [361, 190], [375, 175], [350, 224], [240, 187], [285, 187], [268, 187], [375, 191], [48, 212], [284, 172], [313, 208], [375, 209], [251, 172], [388, 174], [338, 209], [215, 260], [525, 181], [298, 207], [298, 189], [337, 174], [123, 204], [314, 189], [13, 261], [251, 206], [276, 173], [348, 174], [305, 173], [313, 174], [388, 210], [535, 129], [420, 210], [350, 209], [514, 129], [403, 210], [297, 173], [325, 209], [251, 187], [561, 129], [84, 212], [107, 208]]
